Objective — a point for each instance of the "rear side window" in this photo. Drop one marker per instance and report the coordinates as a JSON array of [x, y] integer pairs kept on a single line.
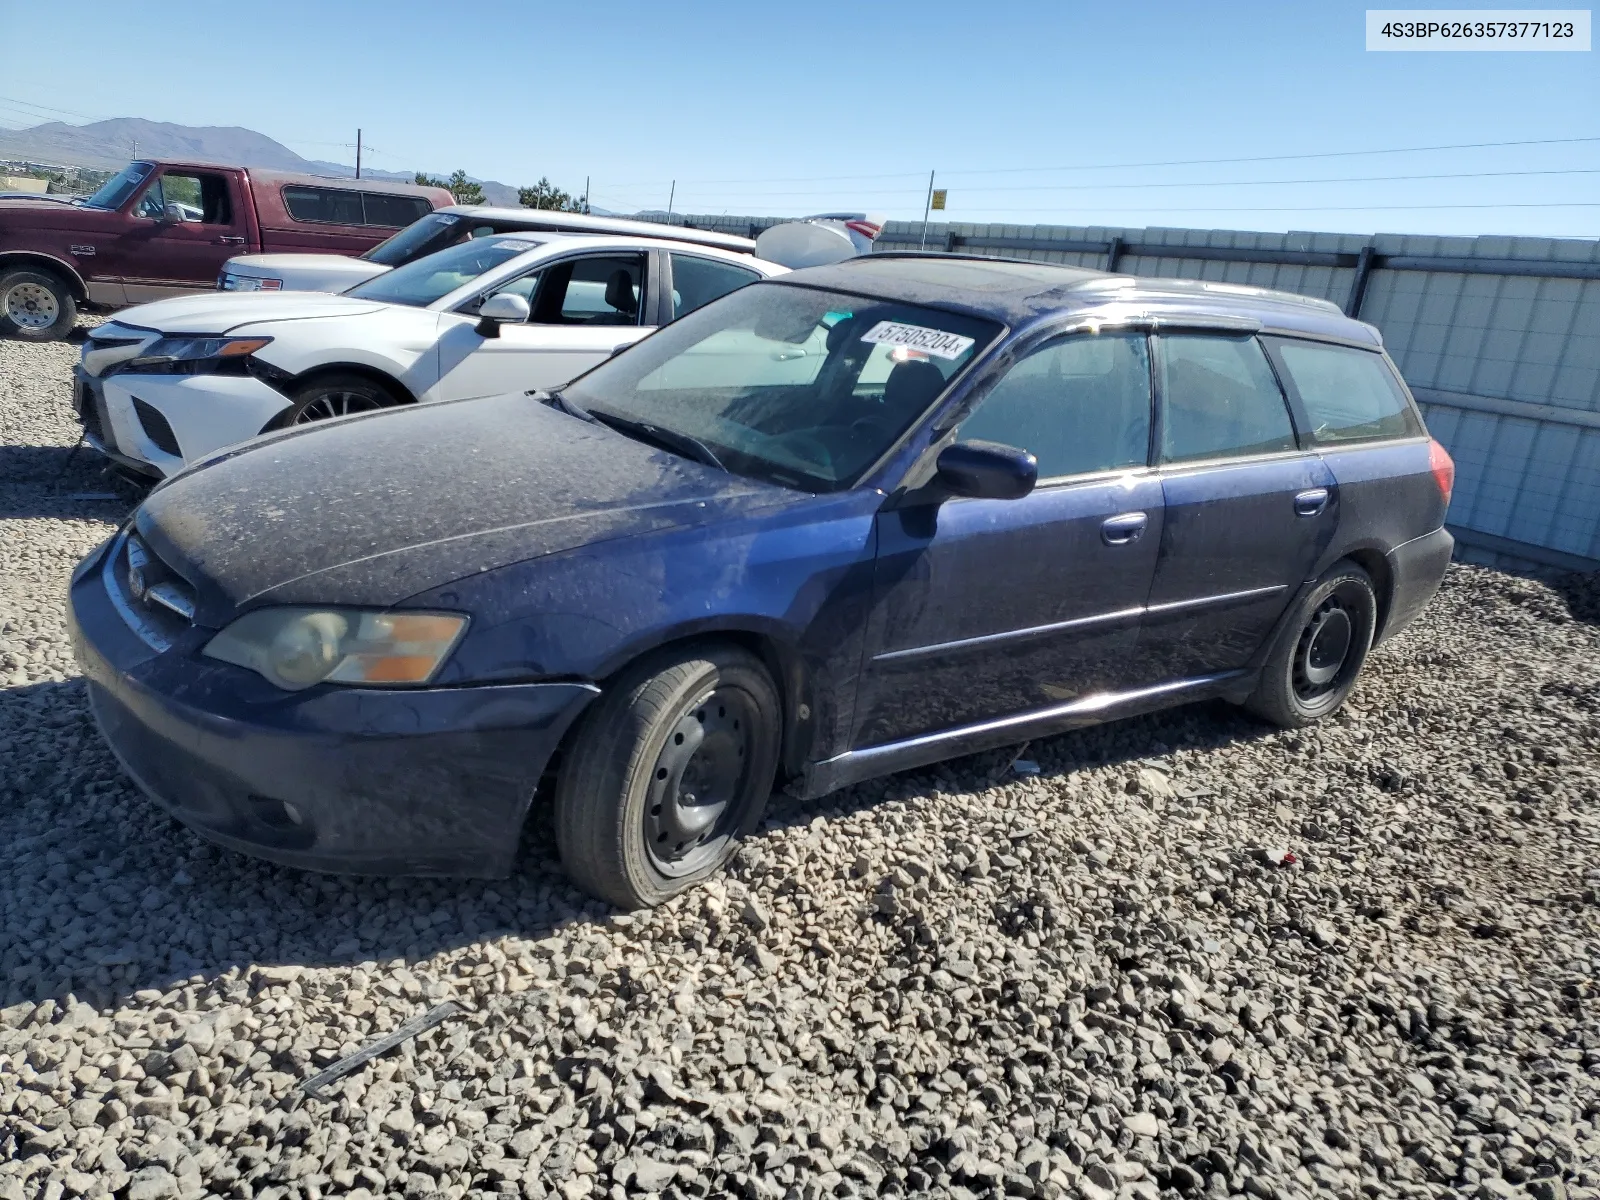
[[1348, 395], [379, 208], [1219, 399], [340, 206], [1079, 405], [325, 206], [699, 281]]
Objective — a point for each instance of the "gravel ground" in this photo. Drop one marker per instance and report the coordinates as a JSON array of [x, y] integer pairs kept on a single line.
[[1189, 956]]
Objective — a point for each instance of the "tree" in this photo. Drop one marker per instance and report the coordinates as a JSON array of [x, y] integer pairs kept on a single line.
[[545, 194], [462, 188]]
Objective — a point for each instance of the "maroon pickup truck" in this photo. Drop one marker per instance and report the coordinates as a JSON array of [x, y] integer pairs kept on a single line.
[[160, 229]]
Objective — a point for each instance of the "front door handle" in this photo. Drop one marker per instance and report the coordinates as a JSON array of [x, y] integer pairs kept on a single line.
[[1311, 502], [229, 239], [1123, 528]]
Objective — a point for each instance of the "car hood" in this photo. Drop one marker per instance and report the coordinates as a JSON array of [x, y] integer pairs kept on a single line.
[[373, 509], [221, 312], [294, 266]]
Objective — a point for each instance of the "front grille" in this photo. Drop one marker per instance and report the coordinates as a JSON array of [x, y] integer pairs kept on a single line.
[[156, 602], [156, 428]]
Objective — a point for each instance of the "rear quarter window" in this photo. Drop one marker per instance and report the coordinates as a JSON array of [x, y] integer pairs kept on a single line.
[[1346, 394], [341, 206]]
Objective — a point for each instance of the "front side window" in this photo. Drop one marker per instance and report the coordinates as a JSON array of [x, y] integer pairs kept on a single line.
[[1079, 405], [696, 282], [525, 286], [434, 277], [1348, 395], [1219, 399], [773, 379], [182, 197], [605, 289], [114, 192]]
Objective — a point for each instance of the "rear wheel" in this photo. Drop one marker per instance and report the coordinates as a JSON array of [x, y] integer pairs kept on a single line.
[[672, 767], [36, 306], [1313, 665], [338, 395]]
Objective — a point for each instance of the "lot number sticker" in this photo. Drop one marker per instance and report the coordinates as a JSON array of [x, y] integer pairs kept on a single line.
[[918, 337]]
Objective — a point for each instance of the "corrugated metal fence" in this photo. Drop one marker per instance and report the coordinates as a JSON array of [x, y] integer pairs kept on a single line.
[[1498, 337]]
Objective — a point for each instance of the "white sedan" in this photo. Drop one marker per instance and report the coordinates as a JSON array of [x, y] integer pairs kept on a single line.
[[166, 383]]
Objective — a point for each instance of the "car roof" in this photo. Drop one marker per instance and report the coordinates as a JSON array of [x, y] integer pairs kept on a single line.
[[1016, 293], [568, 222]]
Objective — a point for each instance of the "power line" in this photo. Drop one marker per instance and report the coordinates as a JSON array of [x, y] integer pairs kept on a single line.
[[981, 189], [1326, 208], [1187, 162]]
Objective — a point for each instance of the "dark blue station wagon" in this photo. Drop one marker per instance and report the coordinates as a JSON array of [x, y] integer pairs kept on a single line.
[[833, 525]]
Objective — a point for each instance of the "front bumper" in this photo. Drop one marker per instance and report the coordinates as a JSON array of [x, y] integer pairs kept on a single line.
[[154, 424], [428, 781]]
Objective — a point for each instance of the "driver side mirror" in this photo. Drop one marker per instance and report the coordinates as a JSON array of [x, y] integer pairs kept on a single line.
[[986, 471], [501, 307]]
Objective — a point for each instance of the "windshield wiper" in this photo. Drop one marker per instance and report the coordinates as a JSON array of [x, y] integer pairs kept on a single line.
[[668, 439]]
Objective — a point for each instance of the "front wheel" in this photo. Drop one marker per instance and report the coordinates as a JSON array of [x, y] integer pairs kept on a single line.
[[1313, 665], [672, 767], [338, 395], [36, 306]]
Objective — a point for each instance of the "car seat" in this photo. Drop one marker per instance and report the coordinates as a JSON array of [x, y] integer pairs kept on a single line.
[[620, 294]]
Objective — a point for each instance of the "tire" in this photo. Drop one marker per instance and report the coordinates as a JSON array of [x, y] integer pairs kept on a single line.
[[36, 306], [628, 829], [335, 395], [1313, 665]]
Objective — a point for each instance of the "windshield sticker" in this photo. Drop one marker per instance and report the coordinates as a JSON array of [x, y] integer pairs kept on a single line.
[[918, 337]]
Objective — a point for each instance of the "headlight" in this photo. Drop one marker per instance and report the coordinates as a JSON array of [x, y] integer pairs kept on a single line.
[[185, 355], [229, 282], [296, 648]]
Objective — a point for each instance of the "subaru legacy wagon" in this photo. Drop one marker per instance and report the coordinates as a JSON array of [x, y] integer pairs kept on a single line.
[[841, 523]]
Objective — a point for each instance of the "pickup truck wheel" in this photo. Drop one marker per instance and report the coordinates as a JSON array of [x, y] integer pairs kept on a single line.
[[1313, 665], [36, 306], [335, 396], [668, 771]]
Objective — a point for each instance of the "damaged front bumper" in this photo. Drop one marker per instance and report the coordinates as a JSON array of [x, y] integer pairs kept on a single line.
[[425, 781]]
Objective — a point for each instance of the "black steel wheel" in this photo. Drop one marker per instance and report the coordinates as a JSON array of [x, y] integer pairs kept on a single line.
[[666, 773], [1320, 650]]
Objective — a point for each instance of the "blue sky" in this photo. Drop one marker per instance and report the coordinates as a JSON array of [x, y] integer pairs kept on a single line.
[[789, 109]]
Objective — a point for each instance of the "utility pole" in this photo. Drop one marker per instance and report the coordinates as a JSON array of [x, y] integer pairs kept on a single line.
[[358, 153], [671, 196], [586, 195], [136, 147], [926, 207]]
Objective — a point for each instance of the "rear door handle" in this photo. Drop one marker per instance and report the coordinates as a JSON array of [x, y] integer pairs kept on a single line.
[[1123, 528], [1311, 502]]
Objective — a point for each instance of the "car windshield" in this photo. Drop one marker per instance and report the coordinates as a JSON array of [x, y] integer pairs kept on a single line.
[[427, 279], [433, 232], [116, 190], [795, 385]]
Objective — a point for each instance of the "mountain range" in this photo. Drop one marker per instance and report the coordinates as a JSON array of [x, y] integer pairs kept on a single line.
[[109, 145]]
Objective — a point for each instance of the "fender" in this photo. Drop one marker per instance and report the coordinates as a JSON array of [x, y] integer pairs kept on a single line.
[[11, 258]]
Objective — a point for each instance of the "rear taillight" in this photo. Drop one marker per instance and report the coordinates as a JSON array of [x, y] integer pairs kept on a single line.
[[1443, 468]]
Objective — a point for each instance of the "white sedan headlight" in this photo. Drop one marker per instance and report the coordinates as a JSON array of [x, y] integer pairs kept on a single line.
[[297, 648]]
